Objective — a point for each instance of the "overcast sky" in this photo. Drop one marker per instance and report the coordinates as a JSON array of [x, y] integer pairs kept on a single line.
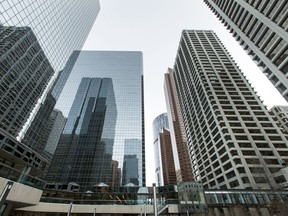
[[154, 27]]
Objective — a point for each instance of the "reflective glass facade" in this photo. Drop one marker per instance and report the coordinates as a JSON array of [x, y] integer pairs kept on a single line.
[[59, 27], [24, 75], [53, 132], [120, 128], [260, 26], [36, 39], [33, 136]]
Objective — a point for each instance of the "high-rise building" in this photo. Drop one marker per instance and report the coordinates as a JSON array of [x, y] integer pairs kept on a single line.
[[88, 137], [109, 126], [261, 29], [131, 164], [232, 139], [25, 72], [179, 144], [36, 39], [164, 161], [280, 114], [58, 28], [55, 126], [33, 137]]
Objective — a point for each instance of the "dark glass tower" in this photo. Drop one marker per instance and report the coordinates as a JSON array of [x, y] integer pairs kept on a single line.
[[233, 140], [261, 29], [36, 40], [25, 72], [59, 27], [34, 135], [118, 131], [88, 137]]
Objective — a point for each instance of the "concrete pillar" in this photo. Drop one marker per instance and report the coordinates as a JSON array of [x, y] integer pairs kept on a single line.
[[264, 212], [253, 211], [154, 200], [217, 212], [227, 212], [239, 211], [210, 212]]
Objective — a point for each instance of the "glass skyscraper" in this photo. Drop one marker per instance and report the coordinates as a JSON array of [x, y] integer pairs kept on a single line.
[[36, 40], [260, 26], [59, 27], [33, 137], [116, 128]]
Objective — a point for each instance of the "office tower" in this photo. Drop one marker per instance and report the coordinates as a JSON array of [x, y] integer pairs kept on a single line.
[[33, 137], [179, 144], [261, 29], [122, 127], [87, 139], [36, 39], [58, 29], [232, 139], [280, 114], [116, 174], [55, 126], [25, 73], [132, 156], [164, 160]]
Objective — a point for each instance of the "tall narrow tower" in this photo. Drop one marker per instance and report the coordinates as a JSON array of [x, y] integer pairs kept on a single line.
[[232, 139], [164, 161], [179, 143], [261, 29]]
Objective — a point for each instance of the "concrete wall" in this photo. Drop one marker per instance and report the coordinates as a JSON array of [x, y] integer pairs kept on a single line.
[[111, 209], [20, 194], [3, 183]]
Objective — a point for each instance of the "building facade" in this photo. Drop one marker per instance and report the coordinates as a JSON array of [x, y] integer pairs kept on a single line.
[[25, 73], [87, 149], [54, 128], [179, 143], [232, 139], [58, 27], [114, 120], [280, 114], [164, 161], [36, 40], [36, 134], [261, 29]]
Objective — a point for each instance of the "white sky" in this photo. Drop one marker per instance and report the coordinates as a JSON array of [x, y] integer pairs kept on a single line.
[[154, 27]]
